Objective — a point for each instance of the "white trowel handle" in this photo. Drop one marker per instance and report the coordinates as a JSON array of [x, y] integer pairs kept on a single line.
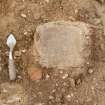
[[10, 55], [12, 70]]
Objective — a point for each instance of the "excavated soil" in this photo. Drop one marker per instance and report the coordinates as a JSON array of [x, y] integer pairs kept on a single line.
[[56, 87]]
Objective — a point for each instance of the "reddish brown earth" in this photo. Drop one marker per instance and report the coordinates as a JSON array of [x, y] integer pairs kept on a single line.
[[54, 87]]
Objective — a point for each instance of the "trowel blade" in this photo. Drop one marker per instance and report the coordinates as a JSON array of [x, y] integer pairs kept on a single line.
[[11, 41]]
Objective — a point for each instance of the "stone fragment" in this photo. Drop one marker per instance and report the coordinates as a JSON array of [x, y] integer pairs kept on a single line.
[[72, 82], [35, 73], [23, 15], [90, 71], [64, 76], [63, 44]]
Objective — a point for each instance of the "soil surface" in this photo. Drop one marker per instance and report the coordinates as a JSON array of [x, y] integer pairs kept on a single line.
[[56, 87]]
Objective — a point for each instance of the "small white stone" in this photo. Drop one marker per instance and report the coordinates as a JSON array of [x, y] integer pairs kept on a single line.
[[56, 84], [87, 63], [19, 77], [72, 94], [47, 76], [76, 11], [87, 37], [23, 15], [5, 91], [69, 96], [72, 82], [51, 97], [90, 71], [53, 91], [23, 51], [65, 76], [92, 87], [25, 33], [61, 72]]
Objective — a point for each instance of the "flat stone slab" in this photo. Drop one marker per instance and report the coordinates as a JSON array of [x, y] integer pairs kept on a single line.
[[63, 44]]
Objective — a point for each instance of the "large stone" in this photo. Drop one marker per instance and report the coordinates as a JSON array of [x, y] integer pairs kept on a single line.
[[63, 44]]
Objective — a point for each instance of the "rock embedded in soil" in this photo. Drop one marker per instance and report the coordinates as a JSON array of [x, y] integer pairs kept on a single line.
[[35, 73], [72, 82], [63, 44], [90, 71], [12, 94], [23, 15], [64, 76]]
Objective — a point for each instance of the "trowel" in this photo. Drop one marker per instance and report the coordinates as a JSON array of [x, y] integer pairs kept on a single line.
[[11, 42]]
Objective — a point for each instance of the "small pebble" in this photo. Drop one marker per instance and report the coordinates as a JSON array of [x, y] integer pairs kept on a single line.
[[90, 71], [87, 37], [19, 77], [4, 90], [65, 76], [53, 91], [72, 82], [25, 33], [68, 97], [78, 82], [87, 63], [76, 11], [56, 84], [97, 21], [23, 51], [23, 15], [61, 72], [17, 53], [51, 97], [47, 76]]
